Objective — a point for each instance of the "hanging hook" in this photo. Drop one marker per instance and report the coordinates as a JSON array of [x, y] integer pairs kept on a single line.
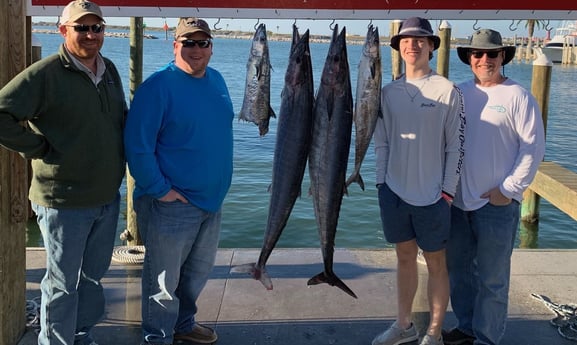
[[547, 27], [331, 25], [511, 26], [475, 27], [214, 26], [256, 25], [370, 24]]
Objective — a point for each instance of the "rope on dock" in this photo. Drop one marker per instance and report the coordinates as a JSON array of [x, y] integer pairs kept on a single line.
[[566, 319], [33, 314], [128, 254]]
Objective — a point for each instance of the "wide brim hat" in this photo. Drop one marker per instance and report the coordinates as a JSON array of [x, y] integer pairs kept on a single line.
[[486, 39], [78, 9], [415, 27], [190, 25]]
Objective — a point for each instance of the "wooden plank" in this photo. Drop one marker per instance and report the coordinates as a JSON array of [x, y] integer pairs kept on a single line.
[[558, 185], [13, 182]]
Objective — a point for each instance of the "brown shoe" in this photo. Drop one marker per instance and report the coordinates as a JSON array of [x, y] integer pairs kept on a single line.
[[199, 334]]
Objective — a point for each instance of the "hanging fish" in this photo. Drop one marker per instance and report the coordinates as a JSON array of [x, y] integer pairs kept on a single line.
[[256, 103]]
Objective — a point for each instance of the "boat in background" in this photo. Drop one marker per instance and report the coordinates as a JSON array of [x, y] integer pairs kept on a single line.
[[566, 34]]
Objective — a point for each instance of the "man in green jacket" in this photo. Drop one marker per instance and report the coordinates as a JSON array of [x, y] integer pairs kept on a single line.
[[75, 108]]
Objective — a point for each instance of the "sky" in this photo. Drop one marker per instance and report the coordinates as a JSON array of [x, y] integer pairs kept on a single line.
[[459, 28]]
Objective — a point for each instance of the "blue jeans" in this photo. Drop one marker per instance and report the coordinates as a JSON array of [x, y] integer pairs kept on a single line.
[[479, 263], [181, 241], [79, 243]]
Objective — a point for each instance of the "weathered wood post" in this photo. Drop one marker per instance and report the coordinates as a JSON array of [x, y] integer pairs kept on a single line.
[[396, 61], [444, 51], [540, 87], [13, 183], [135, 76]]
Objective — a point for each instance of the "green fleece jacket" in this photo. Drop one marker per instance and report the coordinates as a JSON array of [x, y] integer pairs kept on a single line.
[[74, 135]]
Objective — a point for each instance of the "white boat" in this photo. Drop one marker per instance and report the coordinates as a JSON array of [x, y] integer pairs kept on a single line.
[[564, 35]]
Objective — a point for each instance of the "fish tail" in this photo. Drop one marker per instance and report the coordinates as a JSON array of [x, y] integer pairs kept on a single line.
[[255, 272], [356, 177], [332, 280]]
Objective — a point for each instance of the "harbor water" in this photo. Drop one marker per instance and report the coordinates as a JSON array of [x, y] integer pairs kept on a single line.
[[246, 207]]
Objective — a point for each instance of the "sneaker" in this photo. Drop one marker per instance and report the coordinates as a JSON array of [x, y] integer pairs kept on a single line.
[[199, 334], [396, 336], [430, 340], [421, 258], [456, 337]]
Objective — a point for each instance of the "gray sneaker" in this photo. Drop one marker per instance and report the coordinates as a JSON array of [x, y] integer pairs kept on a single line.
[[396, 336], [429, 340]]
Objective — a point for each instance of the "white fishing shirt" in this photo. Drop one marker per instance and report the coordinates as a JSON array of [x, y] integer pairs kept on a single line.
[[504, 145], [419, 140]]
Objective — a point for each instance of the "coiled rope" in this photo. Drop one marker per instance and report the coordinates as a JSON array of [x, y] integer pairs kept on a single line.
[[128, 254], [33, 314], [566, 319]]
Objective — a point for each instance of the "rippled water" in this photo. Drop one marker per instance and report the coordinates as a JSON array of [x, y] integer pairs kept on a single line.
[[246, 206]]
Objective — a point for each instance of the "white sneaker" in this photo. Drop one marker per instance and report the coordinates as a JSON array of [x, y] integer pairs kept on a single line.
[[396, 336], [429, 340]]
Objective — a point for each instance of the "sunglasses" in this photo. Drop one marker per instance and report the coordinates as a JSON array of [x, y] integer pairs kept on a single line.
[[191, 43], [83, 28], [491, 54]]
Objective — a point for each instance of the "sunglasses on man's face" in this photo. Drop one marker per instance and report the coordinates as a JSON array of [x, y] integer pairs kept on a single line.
[[491, 54], [191, 43], [83, 28]]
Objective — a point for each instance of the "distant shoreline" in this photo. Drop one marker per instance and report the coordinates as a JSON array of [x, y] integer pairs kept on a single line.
[[244, 35], [271, 36]]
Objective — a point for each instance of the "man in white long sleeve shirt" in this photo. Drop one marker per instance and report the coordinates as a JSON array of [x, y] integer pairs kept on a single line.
[[505, 142], [419, 150]]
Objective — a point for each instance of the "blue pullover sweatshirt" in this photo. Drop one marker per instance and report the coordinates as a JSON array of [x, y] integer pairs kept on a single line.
[[179, 135]]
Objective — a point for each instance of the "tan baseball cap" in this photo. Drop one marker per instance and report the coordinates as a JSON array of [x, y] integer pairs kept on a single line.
[[190, 25], [79, 8]]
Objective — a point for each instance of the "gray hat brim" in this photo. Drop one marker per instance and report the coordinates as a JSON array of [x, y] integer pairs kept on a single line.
[[463, 53], [395, 40]]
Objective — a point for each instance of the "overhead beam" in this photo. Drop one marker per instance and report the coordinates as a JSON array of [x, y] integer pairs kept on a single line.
[[326, 9]]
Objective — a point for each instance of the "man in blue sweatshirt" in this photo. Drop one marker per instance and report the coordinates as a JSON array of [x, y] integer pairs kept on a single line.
[[179, 147]]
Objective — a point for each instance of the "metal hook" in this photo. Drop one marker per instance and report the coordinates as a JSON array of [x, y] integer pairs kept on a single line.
[[511, 26], [331, 26], [370, 24], [214, 26], [475, 27], [547, 27], [295, 22], [256, 25]]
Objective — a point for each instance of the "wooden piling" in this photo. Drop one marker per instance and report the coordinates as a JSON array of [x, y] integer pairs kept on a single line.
[[396, 61], [136, 54], [444, 51], [540, 87], [13, 183]]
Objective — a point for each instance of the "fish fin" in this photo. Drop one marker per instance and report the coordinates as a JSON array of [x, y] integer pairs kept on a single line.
[[263, 127], [356, 177], [271, 111], [332, 280], [255, 272]]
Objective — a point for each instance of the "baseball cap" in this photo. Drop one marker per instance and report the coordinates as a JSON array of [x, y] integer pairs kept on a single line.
[[79, 8], [190, 25]]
